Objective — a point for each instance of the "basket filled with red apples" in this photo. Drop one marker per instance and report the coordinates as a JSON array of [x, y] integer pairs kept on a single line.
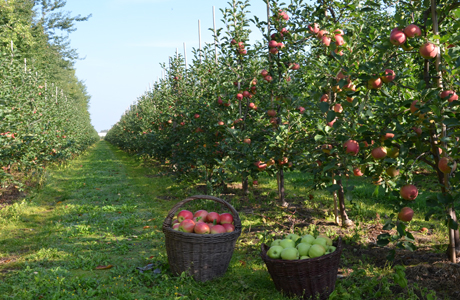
[[201, 243]]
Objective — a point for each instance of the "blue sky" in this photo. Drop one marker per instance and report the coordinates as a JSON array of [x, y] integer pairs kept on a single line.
[[125, 41]]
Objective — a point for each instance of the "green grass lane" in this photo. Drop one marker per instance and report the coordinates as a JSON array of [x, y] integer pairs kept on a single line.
[[94, 212]]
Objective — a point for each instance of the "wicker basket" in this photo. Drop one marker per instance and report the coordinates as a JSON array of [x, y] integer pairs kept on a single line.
[[203, 256], [305, 278]]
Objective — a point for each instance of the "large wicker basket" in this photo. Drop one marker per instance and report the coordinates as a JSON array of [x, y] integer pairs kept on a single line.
[[312, 278], [203, 256]]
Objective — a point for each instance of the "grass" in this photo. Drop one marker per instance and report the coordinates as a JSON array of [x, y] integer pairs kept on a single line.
[[99, 218]]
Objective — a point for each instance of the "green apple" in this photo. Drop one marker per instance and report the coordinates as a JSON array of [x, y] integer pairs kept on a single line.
[[320, 241], [275, 243], [303, 249], [393, 152], [304, 257], [308, 239], [316, 251], [292, 236], [275, 252], [330, 249], [328, 240], [287, 243], [290, 253]]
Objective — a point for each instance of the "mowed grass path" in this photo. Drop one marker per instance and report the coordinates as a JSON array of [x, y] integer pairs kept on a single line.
[[100, 210]]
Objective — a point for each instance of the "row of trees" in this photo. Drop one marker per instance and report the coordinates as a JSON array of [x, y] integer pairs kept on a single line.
[[43, 106], [337, 88]]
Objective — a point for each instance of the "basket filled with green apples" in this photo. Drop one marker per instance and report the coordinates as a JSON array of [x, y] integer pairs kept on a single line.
[[201, 243], [303, 266]]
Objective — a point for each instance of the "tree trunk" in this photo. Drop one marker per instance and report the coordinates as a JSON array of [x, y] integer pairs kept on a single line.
[[345, 221], [281, 193], [336, 211], [245, 185]]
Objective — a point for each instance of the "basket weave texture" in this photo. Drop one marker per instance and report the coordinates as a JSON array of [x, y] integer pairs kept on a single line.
[[307, 278], [203, 256]]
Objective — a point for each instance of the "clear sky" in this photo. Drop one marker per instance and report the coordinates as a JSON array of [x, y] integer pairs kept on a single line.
[[125, 41]]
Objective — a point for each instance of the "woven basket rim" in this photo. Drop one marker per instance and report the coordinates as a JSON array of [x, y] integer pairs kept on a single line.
[[264, 247]]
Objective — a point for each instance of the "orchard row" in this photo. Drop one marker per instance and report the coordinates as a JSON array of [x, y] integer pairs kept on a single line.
[[333, 90], [39, 124]]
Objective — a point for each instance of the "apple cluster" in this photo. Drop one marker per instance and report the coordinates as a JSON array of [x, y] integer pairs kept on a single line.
[[202, 222], [294, 247]]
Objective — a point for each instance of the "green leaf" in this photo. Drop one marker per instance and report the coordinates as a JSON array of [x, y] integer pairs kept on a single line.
[[324, 106], [401, 228], [453, 225], [318, 137], [388, 226]]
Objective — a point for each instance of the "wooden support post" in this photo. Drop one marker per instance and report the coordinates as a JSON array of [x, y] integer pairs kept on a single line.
[[199, 39], [215, 31]]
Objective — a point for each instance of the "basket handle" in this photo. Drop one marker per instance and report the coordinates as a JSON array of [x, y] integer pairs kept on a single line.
[[172, 212]]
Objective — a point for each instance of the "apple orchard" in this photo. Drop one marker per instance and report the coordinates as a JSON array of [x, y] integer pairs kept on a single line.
[[337, 89]]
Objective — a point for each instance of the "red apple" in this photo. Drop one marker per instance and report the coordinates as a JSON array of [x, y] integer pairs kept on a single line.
[[413, 106], [326, 40], [196, 116], [313, 29], [324, 98], [220, 123], [262, 167], [255, 182], [331, 123], [338, 108], [409, 192], [428, 50], [389, 76], [374, 84], [176, 226], [388, 135], [243, 51], [264, 73], [201, 213], [184, 214], [268, 78], [357, 172], [397, 37], [445, 164], [202, 228], [295, 66], [321, 33], [219, 101], [352, 147], [339, 40], [247, 141], [187, 225], [274, 50], [406, 214], [229, 227], [273, 44], [417, 130], [379, 152], [271, 113], [198, 220], [213, 216], [452, 94], [226, 218], [252, 105], [239, 96], [412, 30], [216, 229], [301, 109]]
